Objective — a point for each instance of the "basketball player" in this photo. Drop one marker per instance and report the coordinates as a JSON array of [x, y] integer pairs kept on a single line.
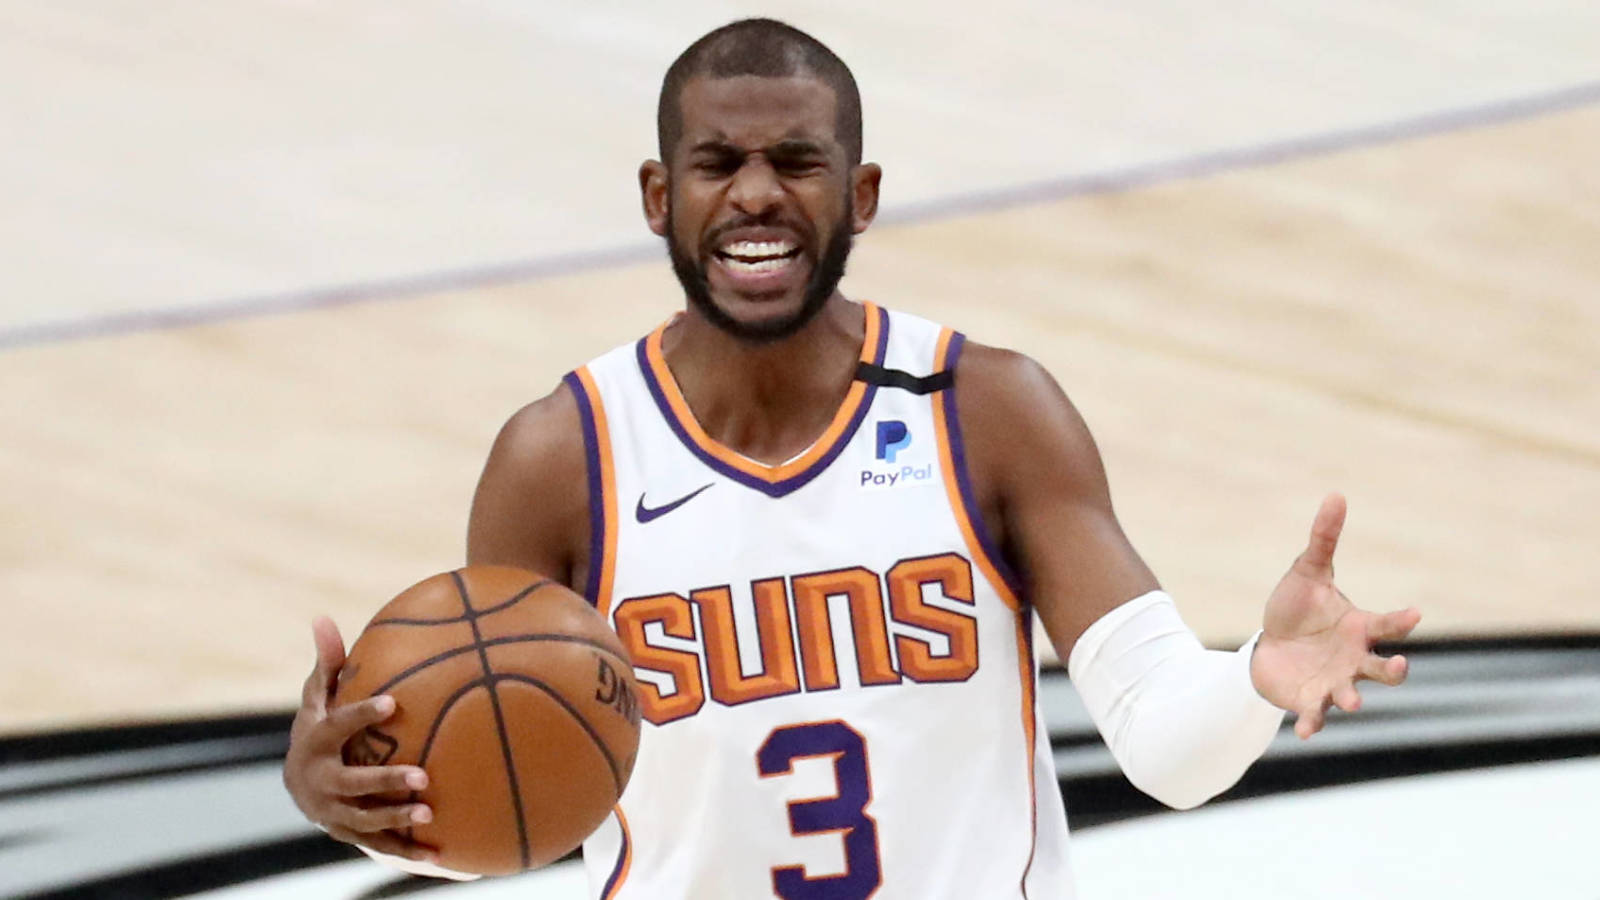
[[823, 531]]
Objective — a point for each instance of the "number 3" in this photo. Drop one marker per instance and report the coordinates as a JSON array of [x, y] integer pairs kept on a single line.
[[844, 812]]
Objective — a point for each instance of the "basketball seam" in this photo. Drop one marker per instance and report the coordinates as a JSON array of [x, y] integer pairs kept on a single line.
[[513, 601], [450, 702], [433, 732], [499, 720], [488, 683], [495, 642], [599, 742]]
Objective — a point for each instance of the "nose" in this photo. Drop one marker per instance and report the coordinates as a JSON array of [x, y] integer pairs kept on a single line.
[[755, 189]]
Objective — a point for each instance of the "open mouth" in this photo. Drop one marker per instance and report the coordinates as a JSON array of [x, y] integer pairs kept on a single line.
[[757, 257]]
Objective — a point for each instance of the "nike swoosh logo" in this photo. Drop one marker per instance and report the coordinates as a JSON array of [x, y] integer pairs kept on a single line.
[[650, 514]]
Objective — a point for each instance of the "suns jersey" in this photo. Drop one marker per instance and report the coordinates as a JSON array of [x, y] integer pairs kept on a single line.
[[836, 674]]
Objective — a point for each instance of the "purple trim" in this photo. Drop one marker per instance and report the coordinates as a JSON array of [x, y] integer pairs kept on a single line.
[[882, 350], [597, 499], [622, 857], [677, 427], [770, 488], [958, 456]]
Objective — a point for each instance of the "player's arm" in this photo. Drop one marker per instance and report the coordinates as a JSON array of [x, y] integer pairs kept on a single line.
[[1183, 722], [530, 510], [1042, 491]]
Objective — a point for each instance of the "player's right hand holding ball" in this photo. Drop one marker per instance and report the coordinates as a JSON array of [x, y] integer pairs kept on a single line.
[[348, 801]]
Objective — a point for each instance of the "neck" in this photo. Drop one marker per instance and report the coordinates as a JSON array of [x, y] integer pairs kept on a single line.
[[767, 401]]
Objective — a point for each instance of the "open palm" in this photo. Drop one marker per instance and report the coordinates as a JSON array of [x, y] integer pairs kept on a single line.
[[1315, 643]]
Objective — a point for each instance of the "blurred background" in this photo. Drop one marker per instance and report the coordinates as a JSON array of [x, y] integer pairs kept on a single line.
[[273, 273]]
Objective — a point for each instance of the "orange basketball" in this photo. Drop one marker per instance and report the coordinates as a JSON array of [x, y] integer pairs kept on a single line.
[[517, 700]]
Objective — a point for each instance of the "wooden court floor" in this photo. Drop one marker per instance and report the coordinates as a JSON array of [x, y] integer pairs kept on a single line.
[[1415, 323]]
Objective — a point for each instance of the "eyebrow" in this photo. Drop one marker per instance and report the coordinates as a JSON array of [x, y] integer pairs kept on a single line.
[[788, 147], [718, 147], [797, 147]]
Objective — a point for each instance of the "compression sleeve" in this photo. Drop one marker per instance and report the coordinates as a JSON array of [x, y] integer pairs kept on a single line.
[[1183, 722]]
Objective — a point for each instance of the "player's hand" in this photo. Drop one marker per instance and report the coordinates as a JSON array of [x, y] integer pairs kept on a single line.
[[1316, 644], [345, 800]]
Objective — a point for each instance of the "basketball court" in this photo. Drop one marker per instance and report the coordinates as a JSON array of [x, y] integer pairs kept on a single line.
[[274, 274]]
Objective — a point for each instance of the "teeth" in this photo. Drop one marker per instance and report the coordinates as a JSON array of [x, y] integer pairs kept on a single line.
[[757, 249], [758, 266]]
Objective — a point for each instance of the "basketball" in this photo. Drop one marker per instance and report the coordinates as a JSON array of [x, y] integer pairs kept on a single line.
[[517, 700]]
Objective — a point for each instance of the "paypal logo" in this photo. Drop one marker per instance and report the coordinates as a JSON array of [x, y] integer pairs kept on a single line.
[[903, 468], [893, 437]]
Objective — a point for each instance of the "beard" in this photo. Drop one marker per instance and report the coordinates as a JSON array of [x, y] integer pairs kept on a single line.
[[819, 287]]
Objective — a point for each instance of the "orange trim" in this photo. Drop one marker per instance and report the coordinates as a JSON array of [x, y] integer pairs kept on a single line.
[[953, 488], [627, 854], [771, 474], [1025, 669], [608, 491]]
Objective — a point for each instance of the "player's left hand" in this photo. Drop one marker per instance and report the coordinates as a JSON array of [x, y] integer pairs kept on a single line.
[[1316, 644]]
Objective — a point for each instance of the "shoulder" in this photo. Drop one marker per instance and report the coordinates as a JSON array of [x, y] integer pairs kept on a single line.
[[531, 505], [1018, 425], [1007, 398], [1042, 486], [999, 374], [545, 432]]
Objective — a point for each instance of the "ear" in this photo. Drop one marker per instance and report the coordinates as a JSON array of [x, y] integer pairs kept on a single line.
[[654, 195], [864, 181]]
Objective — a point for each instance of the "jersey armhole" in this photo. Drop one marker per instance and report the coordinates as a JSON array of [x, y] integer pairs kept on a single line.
[[986, 554], [958, 480], [601, 475]]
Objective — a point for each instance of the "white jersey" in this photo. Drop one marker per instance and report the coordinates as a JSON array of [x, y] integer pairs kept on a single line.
[[836, 674]]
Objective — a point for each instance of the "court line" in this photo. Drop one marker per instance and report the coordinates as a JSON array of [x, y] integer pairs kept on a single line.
[[399, 287], [960, 204], [1251, 155]]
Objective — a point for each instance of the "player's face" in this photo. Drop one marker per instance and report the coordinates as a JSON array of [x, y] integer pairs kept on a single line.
[[759, 205]]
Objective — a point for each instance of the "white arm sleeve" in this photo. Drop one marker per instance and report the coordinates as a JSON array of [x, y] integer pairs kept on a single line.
[[1182, 721], [416, 867]]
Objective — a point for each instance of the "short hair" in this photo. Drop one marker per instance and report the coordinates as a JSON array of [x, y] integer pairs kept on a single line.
[[767, 48]]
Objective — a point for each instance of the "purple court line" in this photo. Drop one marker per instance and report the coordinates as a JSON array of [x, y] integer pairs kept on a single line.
[[1248, 156], [537, 268], [396, 288]]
